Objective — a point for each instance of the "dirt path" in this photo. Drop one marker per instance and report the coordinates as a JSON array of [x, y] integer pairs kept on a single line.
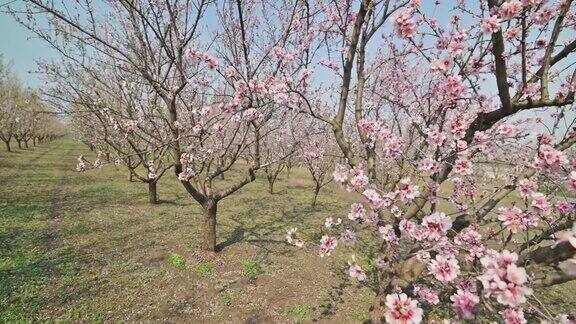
[[56, 214]]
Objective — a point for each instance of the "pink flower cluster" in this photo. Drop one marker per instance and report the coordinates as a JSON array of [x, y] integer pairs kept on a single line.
[[464, 303], [193, 54], [516, 220], [351, 178], [504, 280], [400, 309], [405, 25], [444, 268]]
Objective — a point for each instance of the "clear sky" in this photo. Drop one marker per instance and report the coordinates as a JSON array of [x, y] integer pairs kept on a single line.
[[20, 47]]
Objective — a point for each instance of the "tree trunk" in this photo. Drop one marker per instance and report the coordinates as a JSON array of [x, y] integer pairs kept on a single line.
[[271, 185], [152, 192], [130, 177], [34, 141], [26, 144], [210, 209], [8, 148], [19, 144], [316, 192], [222, 176]]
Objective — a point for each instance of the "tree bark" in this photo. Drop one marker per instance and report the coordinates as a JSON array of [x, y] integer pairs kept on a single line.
[[210, 209], [8, 148], [34, 141], [315, 197], [153, 193], [271, 185], [19, 144], [26, 144]]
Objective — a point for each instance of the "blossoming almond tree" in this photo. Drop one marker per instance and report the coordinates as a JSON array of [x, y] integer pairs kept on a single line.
[[220, 85], [114, 113], [438, 102], [23, 117], [319, 156]]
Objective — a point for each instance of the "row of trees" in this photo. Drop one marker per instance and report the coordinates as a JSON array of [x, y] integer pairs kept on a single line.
[[23, 118], [421, 107]]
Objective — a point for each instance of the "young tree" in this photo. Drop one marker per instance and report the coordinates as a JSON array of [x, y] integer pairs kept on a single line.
[[115, 114], [319, 156], [10, 97]]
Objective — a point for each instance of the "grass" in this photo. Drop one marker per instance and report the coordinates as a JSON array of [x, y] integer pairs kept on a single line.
[[251, 269], [177, 261], [299, 312], [88, 247], [203, 269]]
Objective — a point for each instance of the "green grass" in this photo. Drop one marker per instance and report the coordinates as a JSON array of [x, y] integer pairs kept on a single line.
[[203, 269], [177, 261], [251, 269], [299, 312]]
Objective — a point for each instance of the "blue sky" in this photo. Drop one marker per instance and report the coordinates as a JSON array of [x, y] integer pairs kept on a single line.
[[21, 48]]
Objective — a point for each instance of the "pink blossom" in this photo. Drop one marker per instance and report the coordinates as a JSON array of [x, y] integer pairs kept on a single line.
[[503, 279], [510, 9], [463, 166], [541, 204], [348, 237], [464, 303], [516, 220], [340, 173], [359, 179], [374, 198], [564, 207], [526, 187], [468, 236], [427, 295], [250, 114], [405, 26], [388, 234], [513, 316], [186, 174], [444, 268], [458, 126], [357, 272], [428, 165], [454, 86], [505, 129], [357, 213], [571, 183], [442, 65], [327, 245], [491, 24], [408, 191], [435, 137], [513, 33], [400, 309], [543, 16], [436, 225]]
